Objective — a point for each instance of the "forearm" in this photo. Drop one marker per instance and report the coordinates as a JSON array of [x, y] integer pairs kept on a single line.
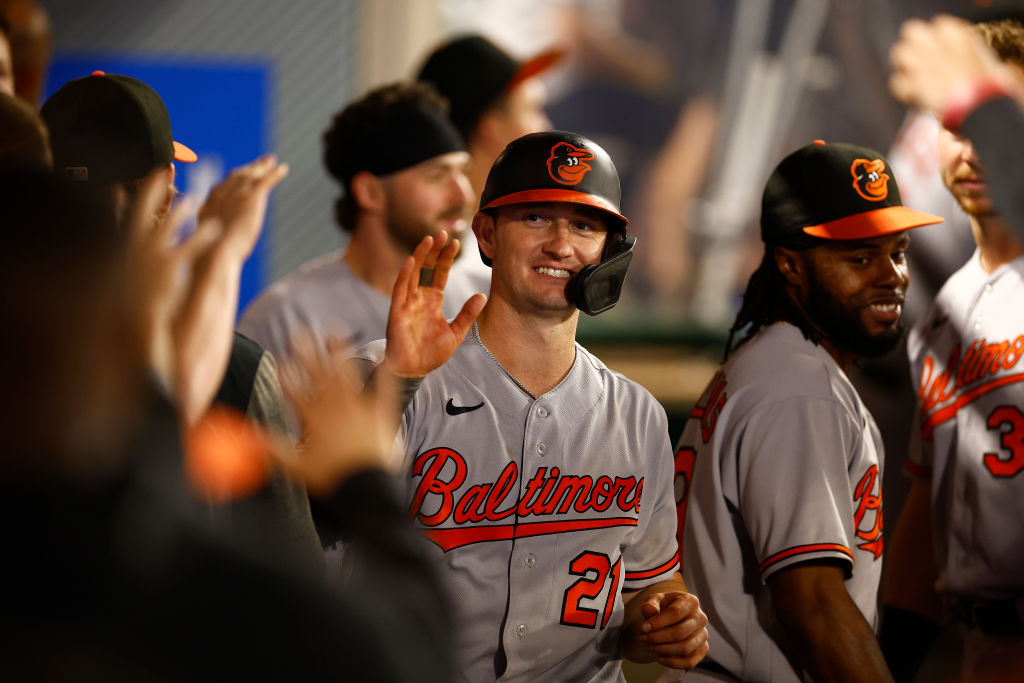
[[835, 643], [202, 330], [822, 625]]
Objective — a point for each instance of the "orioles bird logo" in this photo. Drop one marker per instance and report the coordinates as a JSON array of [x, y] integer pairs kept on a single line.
[[567, 163], [870, 179]]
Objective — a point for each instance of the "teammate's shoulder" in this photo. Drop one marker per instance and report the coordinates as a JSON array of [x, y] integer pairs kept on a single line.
[[781, 363]]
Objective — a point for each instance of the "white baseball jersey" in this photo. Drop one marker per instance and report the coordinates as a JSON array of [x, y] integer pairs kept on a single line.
[[325, 297], [541, 510], [965, 357], [779, 463]]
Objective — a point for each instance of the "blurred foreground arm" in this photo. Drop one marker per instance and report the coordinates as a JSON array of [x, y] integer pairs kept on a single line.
[[188, 292], [944, 66]]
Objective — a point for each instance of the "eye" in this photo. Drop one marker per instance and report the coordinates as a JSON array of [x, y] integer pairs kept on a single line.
[[583, 226], [859, 260], [899, 256]]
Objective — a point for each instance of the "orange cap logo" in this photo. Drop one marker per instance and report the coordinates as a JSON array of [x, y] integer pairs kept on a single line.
[[567, 163], [870, 179]]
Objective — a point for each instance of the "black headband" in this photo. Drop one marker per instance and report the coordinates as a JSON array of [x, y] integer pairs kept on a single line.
[[403, 139]]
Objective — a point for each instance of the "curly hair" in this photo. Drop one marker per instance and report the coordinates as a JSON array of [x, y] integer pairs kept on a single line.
[[367, 118], [1006, 36]]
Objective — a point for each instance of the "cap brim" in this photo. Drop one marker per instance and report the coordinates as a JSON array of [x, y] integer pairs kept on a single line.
[[535, 66], [549, 195], [872, 224], [183, 153]]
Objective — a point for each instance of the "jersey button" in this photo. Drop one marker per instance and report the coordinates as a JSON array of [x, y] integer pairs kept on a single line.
[[988, 288], [530, 561], [541, 448], [542, 411], [521, 630]]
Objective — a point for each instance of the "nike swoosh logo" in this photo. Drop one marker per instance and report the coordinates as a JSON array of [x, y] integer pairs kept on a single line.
[[453, 409]]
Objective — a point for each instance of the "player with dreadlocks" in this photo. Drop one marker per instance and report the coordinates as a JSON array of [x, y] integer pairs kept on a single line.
[[782, 536]]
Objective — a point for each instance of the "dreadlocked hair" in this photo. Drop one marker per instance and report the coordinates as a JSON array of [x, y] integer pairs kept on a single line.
[[766, 301]]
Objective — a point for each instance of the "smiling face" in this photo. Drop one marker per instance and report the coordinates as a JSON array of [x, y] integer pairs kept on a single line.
[[428, 197], [537, 248], [854, 290]]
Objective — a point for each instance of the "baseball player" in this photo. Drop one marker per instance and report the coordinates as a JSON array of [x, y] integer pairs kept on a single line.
[[779, 467], [967, 503], [542, 478], [401, 165]]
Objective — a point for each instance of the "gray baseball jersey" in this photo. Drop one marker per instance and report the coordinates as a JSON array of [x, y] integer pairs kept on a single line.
[[778, 464], [325, 297], [965, 357], [541, 510]]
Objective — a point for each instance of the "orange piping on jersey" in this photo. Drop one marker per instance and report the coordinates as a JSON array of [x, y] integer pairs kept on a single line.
[[671, 564], [941, 415], [448, 539], [800, 550]]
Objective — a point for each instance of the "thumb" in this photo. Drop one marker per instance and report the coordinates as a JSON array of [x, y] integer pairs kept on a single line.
[[651, 606]]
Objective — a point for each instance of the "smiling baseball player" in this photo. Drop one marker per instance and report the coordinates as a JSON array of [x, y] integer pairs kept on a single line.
[[779, 468], [542, 478]]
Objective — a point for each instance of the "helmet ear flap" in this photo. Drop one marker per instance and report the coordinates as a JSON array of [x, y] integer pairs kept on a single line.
[[596, 288]]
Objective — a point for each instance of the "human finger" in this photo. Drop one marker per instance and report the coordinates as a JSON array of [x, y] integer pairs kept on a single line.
[[671, 609], [687, 661], [470, 310], [444, 263]]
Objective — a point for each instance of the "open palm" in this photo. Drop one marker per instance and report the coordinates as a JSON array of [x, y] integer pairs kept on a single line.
[[419, 337]]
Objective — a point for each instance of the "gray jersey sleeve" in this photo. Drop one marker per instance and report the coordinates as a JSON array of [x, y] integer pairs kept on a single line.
[[797, 507]]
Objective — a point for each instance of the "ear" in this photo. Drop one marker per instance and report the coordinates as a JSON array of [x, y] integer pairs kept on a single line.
[[169, 199], [484, 227], [790, 263], [367, 191]]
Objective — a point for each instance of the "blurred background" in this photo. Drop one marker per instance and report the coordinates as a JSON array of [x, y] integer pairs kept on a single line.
[[696, 100]]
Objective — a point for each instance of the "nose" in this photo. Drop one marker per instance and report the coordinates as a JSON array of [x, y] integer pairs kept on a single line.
[[558, 243], [893, 274], [460, 189]]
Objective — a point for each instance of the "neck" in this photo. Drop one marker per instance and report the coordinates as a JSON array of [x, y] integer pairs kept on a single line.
[[373, 256], [538, 352], [996, 242]]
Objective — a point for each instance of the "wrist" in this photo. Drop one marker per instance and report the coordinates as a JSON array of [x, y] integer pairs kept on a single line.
[[966, 96]]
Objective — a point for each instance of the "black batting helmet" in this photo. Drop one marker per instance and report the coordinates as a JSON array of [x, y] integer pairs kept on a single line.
[[557, 166], [554, 166]]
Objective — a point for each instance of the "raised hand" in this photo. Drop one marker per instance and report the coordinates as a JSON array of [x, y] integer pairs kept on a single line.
[[934, 59], [419, 338], [346, 430]]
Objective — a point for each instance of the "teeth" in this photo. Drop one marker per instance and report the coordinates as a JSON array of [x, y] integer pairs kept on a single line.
[[886, 307], [553, 272]]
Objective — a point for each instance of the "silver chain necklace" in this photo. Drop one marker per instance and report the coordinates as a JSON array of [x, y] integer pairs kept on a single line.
[[476, 335]]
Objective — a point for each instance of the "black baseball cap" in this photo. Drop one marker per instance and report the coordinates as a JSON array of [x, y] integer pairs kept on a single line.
[[471, 72], [834, 191], [110, 128]]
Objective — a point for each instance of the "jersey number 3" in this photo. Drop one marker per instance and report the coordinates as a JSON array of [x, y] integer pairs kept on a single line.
[[594, 570], [1012, 440]]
